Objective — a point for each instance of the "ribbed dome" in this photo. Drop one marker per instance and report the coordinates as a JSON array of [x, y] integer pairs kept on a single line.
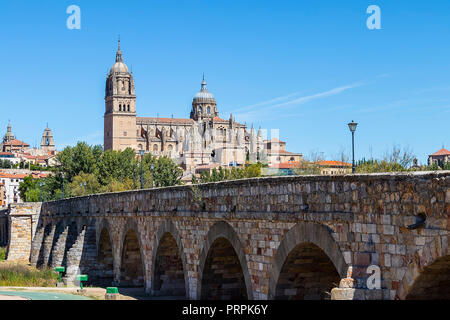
[[204, 94], [119, 67]]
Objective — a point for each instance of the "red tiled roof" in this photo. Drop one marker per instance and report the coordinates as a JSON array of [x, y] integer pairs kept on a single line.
[[16, 142], [442, 152], [286, 165], [13, 176], [333, 163], [6, 154]]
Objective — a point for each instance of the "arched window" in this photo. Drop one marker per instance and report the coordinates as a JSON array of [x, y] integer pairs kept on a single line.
[[120, 107], [140, 146], [155, 147], [200, 110], [128, 108], [170, 148], [208, 110]]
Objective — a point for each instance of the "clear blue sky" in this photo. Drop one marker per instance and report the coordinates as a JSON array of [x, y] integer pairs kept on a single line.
[[305, 67]]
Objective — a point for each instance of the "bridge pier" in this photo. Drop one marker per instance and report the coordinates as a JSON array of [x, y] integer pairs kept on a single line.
[[57, 254]]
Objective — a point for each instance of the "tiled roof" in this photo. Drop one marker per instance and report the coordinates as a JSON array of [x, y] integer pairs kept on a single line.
[[276, 140], [164, 120], [282, 152], [6, 154], [22, 175], [286, 165], [333, 163], [442, 152], [16, 142]]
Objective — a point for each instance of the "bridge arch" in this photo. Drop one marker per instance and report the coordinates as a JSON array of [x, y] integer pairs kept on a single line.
[[105, 254], [132, 267], [428, 274], [169, 274], [314, 242], [223, 243]]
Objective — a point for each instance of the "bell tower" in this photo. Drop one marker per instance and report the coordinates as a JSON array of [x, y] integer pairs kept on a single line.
[[120, 107]]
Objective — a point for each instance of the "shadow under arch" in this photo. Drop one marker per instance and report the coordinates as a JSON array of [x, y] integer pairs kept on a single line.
[[132, 267], [223, 232], [168, 236], [104, 274], [428, 274], [317, 239]]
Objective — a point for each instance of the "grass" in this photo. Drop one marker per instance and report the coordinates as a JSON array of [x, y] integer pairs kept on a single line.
[[19, 275], [2, 253]]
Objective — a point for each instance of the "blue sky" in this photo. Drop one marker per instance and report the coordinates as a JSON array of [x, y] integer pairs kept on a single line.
[[304, 67]]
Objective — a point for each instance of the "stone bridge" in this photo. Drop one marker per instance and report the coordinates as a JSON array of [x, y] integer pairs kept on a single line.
[[303, 237]]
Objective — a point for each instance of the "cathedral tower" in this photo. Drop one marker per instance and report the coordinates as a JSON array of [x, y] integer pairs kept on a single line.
[[204, 105], [120, 107], [47, 142]]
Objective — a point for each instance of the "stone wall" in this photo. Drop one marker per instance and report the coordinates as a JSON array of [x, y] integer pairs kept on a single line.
[[22, 220], [260, 233], [3, 228]]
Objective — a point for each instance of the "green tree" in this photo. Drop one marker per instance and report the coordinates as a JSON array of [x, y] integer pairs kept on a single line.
[[166, 173], [76, 187], [78, 159]]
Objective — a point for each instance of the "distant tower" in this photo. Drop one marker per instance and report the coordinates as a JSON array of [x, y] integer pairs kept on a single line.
[[47, 142], [204, 105], [9, 136], [120, 107]]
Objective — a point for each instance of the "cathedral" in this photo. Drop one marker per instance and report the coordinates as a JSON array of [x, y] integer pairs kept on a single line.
[[202, 139]]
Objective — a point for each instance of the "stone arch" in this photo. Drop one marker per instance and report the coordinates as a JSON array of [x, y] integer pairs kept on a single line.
[[132, 267], [105, 255], [313, 238], [168, 247], [428, 273], [223, 235]]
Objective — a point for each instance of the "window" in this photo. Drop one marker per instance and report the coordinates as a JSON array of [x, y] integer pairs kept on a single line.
[[120, 107], [128, 108], [155, 147], [208, 110], [124, 133], [170, 148], [200, 110]]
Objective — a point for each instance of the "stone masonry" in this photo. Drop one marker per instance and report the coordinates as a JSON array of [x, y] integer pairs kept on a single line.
[[303, 237]]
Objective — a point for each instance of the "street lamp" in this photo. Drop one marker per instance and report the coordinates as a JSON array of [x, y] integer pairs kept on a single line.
[[142, 168], [62, 175], [151, 170], [83, 185], [352, 126]]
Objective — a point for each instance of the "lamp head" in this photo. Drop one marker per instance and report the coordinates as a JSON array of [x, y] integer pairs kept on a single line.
[[352, 126]]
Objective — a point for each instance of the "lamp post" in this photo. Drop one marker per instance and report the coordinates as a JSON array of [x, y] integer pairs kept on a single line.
[[40, 191], [142, 168], [352, 126], [62, 175], [83, 185], [151, 170]]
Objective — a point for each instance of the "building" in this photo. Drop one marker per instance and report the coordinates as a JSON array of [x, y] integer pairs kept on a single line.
[[277, 154], [11, 182], [2, 194], [203, 139], [439, 158], [18, 151], [334, 167]]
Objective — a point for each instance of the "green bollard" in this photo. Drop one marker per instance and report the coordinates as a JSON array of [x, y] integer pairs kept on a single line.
[[81, 278], [60, 270]]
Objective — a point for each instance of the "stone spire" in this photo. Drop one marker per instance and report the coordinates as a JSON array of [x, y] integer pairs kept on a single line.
[[119, 57]]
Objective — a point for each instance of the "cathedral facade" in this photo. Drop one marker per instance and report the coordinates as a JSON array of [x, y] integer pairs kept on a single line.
[[202, 139]]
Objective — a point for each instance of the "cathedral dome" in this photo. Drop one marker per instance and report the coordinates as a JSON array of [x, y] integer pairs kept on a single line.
[[203, 94], [119, 67]]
